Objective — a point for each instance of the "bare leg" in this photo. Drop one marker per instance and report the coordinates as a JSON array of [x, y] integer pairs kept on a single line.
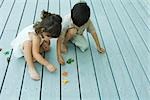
[[28, 57]]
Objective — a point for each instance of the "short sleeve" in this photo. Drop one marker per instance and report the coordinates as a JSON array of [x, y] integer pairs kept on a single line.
[[66, 24], [65, 27], [90, 27]]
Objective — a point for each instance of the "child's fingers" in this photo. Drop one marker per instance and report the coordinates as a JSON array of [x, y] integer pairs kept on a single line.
[[51, 68], [61, 61], [101, 50]]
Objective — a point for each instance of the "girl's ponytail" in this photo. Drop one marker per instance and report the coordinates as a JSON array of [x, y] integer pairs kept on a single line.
[[45, 14], [50, 23]]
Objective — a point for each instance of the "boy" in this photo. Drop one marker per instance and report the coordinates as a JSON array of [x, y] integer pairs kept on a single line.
[[73, 26]]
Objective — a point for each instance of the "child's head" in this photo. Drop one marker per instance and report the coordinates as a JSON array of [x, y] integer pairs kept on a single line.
[[80, 14], [51, 24]]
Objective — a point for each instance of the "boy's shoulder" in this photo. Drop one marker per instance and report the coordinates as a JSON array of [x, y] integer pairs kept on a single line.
[[89, 21]]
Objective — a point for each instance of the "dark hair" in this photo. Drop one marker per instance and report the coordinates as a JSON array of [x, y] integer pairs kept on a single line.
[[50, 23], [80, 13]]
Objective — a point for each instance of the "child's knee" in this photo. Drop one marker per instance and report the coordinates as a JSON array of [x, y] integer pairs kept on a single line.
[[84, 47]]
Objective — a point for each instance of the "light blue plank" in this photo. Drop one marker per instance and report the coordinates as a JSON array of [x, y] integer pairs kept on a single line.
[[113, 51], [1, 3], [51, 81], [88, 85], [106, 81], [141, 28], [64, 9], [30, 88], [7, 6], [129, 55], [69, 91], [12, 83], [9, 32], [141, 52], [54, 6], [8, 71], [145, 4], [144, 16], [136, 45]]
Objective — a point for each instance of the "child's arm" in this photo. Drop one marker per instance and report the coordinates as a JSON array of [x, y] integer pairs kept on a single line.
[[99, 48], [36, 51], [92, 30], [59, 55]]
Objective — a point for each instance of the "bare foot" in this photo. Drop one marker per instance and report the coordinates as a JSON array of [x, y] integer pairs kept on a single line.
[[64, 48], [34, 74], [51, 68]]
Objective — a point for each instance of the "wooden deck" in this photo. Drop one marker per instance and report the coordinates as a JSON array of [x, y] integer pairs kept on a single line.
[[122, 73]]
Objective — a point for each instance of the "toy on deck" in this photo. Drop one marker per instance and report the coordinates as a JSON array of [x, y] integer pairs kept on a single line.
[[65, 74], [65, 81], [70, 60], [6, 53]]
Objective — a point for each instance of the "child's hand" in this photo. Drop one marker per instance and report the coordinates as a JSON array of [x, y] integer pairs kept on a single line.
[[61, 60], [51, 68], [101, 50]]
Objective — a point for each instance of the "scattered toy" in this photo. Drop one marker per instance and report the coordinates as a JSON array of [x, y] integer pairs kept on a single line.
[[6, 53], [70, 60], [65, 81], [65, 74]]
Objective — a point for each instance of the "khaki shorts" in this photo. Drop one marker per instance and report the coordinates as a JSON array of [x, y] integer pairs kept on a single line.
[[81, 42]]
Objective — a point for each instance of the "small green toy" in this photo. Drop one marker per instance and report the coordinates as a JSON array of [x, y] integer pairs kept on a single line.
[[6, 53], [70, 60]]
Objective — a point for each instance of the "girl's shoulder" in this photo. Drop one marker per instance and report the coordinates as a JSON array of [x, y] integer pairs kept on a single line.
[[32, 35], [37, 38]]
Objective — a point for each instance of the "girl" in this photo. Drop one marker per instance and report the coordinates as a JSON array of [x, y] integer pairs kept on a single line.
[[35, 39]]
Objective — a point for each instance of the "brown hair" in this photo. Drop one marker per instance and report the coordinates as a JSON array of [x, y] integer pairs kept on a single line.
[[50, 23]]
